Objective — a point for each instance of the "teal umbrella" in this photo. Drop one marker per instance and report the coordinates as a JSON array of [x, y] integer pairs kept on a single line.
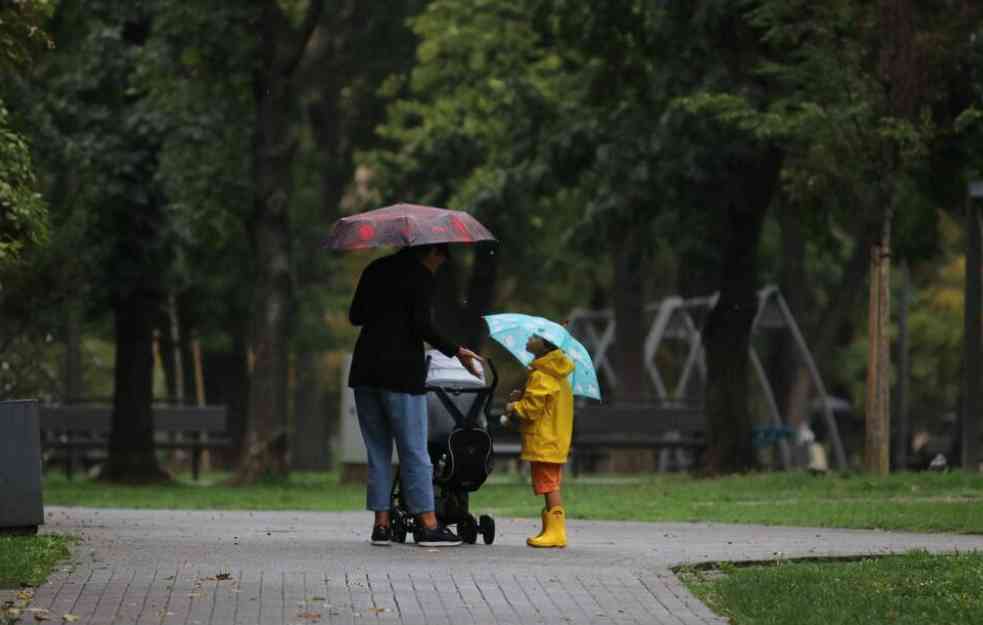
[[512, 330]]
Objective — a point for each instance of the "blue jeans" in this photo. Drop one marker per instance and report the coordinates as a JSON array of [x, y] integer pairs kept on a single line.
[[384, 416]]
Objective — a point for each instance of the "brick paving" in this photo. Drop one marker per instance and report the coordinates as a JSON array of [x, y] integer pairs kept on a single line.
[[271, 568]]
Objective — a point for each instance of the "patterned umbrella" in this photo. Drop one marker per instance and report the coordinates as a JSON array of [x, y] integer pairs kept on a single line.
[[405, 225], [512, 330]]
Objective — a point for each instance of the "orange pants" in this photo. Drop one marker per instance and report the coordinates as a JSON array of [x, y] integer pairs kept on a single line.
[[546, 477]]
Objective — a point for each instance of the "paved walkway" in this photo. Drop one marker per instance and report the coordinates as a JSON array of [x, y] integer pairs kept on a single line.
[[270, 568]]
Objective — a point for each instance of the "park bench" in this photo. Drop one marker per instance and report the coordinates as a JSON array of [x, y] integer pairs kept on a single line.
[[78, 434], [601, 429]]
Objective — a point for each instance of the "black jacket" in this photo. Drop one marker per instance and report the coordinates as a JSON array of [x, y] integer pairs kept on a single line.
[[392, 303]]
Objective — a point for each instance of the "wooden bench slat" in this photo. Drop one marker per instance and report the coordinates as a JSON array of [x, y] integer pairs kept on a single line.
[[85, 428], [601, 428]]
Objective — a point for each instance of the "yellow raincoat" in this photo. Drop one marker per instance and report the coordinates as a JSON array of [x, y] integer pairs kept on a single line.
[[546, 409]]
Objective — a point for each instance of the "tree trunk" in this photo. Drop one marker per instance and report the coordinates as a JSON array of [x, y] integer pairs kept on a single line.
[[227, 383], [131, 441], [281, 49], [628, 295], [186, 337], [447, 308], [902, 433], [969, 419], [74, 389], [461, 318], [310, 448], [481, 293], [728, 329], [167, 352], [849, 293], [265, 449], [790, 372]]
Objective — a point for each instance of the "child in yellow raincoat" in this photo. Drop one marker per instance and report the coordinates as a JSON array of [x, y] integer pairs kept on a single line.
[[544, 409]]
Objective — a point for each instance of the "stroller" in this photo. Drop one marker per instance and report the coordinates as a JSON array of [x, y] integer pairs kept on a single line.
[[460, 449]]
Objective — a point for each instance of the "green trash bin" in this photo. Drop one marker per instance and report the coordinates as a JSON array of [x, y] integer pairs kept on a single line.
[[21, 510]]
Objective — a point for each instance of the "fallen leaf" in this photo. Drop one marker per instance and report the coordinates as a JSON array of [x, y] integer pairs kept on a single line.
[[25, 595], [12, 613], [70, 618], [39, 616], [223, 576], [377, 610], [319, 598], [310, 616], [196, 595]]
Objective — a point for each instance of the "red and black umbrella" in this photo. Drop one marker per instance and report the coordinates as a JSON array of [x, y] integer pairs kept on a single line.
[[405, 225]]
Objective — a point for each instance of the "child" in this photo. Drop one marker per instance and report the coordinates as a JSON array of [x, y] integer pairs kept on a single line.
[[545, 412]]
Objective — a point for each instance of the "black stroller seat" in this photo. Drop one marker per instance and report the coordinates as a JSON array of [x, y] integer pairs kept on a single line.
[[460, 448]]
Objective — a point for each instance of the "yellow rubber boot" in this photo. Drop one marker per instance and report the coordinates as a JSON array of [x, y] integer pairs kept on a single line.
[[542, 516], [556, 530]]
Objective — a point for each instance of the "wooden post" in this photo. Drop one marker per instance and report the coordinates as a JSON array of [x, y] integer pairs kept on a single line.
[[903, 435], [877, 449], [872, 422], [884, 355], [206, 458]]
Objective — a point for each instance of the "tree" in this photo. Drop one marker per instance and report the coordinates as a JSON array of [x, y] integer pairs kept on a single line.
[[282, 47], [98, 145], [23, 214], [197, 70]]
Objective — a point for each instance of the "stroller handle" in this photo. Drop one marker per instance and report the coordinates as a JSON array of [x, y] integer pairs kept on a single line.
[[484, 393]]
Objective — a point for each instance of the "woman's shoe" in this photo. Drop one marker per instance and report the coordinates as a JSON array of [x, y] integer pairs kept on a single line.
[[380, 536]]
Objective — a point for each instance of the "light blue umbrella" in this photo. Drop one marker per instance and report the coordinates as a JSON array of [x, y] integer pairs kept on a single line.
[[512, 330]]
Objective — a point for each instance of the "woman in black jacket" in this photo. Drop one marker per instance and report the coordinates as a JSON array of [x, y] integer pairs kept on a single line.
[[393, 306]]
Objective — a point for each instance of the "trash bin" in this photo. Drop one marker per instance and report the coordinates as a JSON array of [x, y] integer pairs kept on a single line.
[[21, 510]]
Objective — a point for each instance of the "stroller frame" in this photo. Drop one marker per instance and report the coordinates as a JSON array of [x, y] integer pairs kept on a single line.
[[455, 475]]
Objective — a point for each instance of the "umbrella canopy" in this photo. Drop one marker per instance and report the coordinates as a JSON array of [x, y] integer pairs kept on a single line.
[[405, 225], [512, 330]]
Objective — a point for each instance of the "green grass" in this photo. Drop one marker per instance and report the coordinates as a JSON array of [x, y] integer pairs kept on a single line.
[[950, 502], [911, 589], [27, 560]]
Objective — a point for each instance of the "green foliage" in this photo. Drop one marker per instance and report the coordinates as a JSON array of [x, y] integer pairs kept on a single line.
[[22, 32], [23, 213], [196, 72]]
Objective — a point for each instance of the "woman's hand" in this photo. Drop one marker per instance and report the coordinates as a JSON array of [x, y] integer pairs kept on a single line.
[[467, 358], [515, 395]]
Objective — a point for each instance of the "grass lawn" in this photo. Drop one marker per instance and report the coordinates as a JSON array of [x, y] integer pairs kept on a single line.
[[27, 560], [911, 589], [950, 502]]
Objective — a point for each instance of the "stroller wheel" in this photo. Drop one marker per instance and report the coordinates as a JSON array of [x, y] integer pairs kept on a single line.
[[398, 528], [486, 525], [467, 529]]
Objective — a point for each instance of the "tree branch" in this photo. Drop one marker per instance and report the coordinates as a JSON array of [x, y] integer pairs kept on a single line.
[[307, 27]]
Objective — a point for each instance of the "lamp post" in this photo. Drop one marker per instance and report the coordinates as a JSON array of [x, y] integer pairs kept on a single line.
[[971, 331]]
